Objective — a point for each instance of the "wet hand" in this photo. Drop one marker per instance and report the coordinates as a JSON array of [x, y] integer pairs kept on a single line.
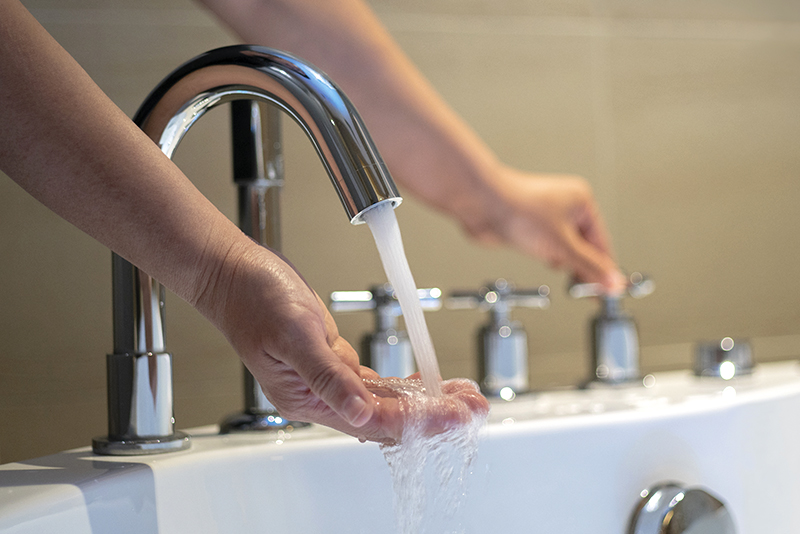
[[288, 340], [403, 404]]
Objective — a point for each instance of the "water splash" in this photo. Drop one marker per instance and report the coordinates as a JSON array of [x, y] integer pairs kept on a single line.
[[430, 468]]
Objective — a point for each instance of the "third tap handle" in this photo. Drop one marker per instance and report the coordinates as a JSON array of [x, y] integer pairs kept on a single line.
[[639, 286], [500, 292]]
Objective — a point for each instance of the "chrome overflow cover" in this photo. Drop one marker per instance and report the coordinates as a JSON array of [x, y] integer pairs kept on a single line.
[[725, 359], [670, 508]]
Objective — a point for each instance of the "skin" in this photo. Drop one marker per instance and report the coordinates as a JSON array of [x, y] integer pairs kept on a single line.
[[61, 139]]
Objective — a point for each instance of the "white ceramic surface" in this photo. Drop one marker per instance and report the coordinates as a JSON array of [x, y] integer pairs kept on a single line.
[[557, 463]]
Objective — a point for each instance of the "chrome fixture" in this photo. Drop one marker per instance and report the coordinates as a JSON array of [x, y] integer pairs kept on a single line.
[[140, 370], [502, 343], [257, 157], [614, 336], [387, 350], [724, 359], [672, 509]]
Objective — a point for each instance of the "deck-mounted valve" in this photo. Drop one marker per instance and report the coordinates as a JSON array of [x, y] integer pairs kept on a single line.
[[614, 335], [503, 342], [387, 350]]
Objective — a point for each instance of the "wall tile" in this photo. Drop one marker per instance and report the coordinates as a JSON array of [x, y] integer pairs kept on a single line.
[[706, 181]]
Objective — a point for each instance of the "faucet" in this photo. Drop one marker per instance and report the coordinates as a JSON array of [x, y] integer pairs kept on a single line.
[[387, 349], [614, 334], [502, 342], [140, 403]]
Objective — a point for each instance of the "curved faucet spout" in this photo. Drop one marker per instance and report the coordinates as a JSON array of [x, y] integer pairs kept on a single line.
[[140, 407], [305, 93]]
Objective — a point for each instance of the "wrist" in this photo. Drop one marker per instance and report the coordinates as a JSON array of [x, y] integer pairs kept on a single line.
[[209, 285], [476, 198]]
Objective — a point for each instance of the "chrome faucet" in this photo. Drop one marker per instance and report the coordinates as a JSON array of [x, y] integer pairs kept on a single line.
[[614, 334], [502, 342], [140, 407], [387, 349]]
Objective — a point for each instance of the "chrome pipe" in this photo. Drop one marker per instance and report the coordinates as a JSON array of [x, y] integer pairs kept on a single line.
[[257, 156], [217, 77], [139, 372], [258, 173], [306, 94]]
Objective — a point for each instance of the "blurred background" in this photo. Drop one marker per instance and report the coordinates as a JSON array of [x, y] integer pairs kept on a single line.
[[683, 115]]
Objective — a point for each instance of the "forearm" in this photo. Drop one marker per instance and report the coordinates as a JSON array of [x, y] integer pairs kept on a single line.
[[405, 115], [67, 144]]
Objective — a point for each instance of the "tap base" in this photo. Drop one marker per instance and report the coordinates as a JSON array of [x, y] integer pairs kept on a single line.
[[261, 422], [105, 446]]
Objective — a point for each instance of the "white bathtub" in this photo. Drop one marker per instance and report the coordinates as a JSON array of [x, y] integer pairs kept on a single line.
[[555, 463]]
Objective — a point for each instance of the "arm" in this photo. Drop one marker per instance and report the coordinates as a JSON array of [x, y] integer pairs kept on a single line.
[[65, 142], [552, 217]]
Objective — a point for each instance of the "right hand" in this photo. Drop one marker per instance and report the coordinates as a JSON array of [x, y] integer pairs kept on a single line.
[[551, 217], [288, 340]]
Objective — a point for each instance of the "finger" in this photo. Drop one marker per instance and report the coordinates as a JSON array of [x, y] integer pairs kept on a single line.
[[592, 264], [460, 404], [336, 383], [593, 229], [368, 374]]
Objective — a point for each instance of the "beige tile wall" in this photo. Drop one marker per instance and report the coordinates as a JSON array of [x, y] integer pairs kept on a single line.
[[684, 116]]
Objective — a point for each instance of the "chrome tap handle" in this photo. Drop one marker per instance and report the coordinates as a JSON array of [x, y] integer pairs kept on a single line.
[[499, 293], [638, 286], [614, 335], [387, 350], [382, 296], [503, 343]]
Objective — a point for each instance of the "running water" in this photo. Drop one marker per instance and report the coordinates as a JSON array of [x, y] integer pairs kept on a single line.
[[430, 469], [426, 457], [383, 224]]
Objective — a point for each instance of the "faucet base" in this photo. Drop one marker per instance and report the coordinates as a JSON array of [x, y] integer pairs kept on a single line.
[[106, 446], [249, 422]]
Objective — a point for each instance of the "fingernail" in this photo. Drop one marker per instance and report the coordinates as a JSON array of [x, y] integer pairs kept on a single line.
[[356, 412]]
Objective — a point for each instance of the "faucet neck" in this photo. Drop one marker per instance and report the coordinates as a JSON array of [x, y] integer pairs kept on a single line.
[[256, 73]]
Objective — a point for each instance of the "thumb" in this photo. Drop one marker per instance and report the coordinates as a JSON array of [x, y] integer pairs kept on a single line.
[[338, 385]]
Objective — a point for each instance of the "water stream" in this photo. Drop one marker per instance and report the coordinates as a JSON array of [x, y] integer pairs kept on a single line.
[[383, 224], [429, 468]]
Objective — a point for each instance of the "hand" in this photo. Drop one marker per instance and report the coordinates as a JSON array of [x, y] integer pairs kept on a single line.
[[460, 403], [288, 340], [554, 218]]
